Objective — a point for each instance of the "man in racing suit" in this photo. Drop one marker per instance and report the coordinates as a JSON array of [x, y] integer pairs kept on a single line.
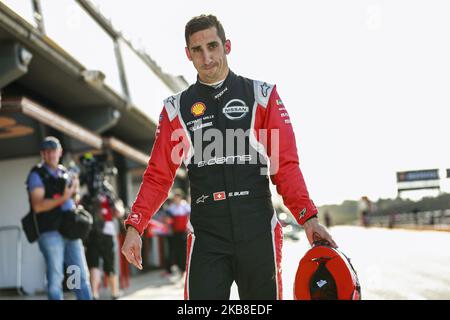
[[232, 133]]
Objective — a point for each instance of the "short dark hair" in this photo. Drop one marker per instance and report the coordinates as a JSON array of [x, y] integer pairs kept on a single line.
[[203, 22]]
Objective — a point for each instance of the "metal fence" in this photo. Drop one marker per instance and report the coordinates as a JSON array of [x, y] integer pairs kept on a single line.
[[11, 258], [438, 219]]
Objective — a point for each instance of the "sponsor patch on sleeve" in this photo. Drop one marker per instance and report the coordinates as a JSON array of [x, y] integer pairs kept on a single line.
[[135, 218]]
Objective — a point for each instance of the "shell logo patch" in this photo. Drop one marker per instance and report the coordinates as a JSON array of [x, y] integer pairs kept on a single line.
[[198, 109]]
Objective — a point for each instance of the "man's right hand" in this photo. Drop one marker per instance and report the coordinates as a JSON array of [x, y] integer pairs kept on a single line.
[[69, 191], [132, 247]]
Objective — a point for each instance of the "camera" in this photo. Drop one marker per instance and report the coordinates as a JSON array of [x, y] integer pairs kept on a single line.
[[94, 172]]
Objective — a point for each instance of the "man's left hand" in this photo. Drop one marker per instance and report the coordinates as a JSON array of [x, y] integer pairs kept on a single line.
[[317, 232]]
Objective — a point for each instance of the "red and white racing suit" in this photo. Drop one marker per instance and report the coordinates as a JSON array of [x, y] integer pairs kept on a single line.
[[234, 232]]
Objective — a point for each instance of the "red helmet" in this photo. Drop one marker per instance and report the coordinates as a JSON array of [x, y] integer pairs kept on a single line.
[[324, 273]]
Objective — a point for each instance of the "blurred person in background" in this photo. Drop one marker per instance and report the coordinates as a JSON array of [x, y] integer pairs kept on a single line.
[[101, 244], [416, 216], [51, 193], [105, 207], [364, 210], [162, 216], [392, 219], [178, 212], [327, 217]]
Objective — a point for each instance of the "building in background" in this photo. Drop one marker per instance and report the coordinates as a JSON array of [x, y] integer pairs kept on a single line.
[[65, 71]]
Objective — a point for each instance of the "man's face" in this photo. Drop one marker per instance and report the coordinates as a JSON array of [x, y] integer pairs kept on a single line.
[[209, 55], [51, 156], [177, 199]]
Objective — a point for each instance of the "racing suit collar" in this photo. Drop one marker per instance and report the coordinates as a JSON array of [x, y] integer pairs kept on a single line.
[[216, 93]]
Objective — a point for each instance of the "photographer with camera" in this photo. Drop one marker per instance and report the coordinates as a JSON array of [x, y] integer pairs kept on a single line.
[[105, 206], [50, 195]]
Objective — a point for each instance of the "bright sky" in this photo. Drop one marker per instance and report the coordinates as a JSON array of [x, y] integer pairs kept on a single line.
[[366, 82]]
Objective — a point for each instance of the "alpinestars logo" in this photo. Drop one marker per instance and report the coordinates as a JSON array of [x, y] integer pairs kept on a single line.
[[264, 89], [302, 213], [201, 199], [171, 100]]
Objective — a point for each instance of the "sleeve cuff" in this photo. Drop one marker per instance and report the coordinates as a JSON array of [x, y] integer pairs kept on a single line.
[[312, 217], [135, 220], [306, 213]]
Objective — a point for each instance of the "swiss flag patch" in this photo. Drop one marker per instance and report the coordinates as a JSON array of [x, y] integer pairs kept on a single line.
[[219, 196]]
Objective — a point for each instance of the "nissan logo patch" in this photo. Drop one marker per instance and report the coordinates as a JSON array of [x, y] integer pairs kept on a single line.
[[235, 109]]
